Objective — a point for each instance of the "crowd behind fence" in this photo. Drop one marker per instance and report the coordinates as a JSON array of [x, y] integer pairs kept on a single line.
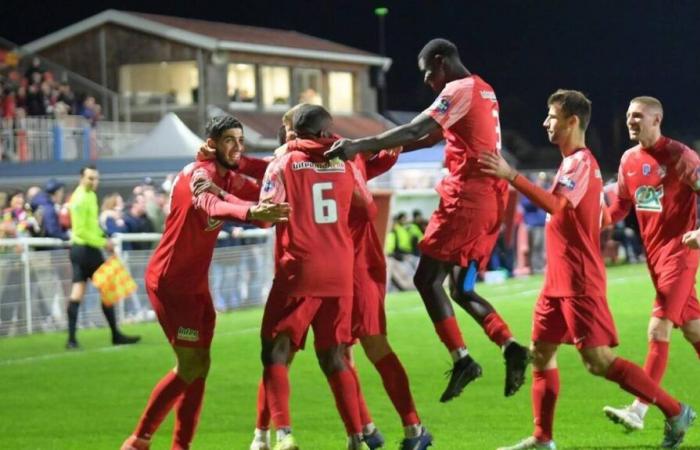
[[34, 284]]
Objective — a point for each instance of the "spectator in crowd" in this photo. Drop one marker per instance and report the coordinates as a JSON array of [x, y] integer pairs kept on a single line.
[[416, 229], [46, 205], [136, 221], [154, 203], [91, 110], [534, 218], [401, 262], [112, 214]]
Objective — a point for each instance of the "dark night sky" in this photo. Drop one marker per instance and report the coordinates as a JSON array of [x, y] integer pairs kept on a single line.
[[612, 50]]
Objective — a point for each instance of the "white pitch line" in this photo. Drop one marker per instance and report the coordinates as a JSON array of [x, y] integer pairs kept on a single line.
[[50, 356]]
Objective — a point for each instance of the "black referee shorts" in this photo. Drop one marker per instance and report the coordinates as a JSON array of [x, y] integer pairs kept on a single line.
[[85, 261]]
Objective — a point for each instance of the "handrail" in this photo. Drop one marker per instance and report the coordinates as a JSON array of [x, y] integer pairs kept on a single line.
[[124, 237]]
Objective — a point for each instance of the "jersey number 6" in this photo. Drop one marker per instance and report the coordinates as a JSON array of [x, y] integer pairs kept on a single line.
[[325, 210]]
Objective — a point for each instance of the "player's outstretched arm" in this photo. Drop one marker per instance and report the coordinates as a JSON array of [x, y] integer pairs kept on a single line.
[[269, 212], [692, 239], [494, 164], [421, 126]]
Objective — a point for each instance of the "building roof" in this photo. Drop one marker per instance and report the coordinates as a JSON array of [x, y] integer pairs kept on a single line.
[[219, 36]]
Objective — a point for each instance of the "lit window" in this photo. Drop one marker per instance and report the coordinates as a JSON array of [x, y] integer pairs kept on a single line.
[[154, 84], [308, 85], [241, 83], [275, 87], [340, 92]]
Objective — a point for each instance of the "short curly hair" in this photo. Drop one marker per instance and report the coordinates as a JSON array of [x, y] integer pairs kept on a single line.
[[218, 124]]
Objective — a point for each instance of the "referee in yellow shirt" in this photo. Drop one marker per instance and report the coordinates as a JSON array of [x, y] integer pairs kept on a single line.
[[87, 242]]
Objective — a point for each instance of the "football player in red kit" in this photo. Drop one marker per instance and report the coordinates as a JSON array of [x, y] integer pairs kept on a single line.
[[659, 177], [572, 307], [177, 277], [462, 232], [309, 290]]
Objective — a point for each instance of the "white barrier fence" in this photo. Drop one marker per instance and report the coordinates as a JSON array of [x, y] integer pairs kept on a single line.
[[35, 279]]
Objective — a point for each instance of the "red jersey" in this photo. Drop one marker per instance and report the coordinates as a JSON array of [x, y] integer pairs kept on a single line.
[[467, 111], [181, 260], [661, 182], [369, 254], [315, 250], [574, 262]]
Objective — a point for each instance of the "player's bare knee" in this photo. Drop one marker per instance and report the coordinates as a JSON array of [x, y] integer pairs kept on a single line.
[[597, 360], [660, 330], [376, 347], [542, 355], [331, 360], [691, 331], [276, 351]]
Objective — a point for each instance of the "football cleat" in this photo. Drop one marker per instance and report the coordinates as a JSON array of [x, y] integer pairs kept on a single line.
[[531, 443], [136, 443], [123, 339], [261, 439], [464, 371], [288, 443], [420, 442], [627, 417], [374, 439], [676, 427], [517, 359], [72, 345]]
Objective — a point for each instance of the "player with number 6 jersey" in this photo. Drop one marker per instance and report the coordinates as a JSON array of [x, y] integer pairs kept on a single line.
[[463, 231], [313, 284]]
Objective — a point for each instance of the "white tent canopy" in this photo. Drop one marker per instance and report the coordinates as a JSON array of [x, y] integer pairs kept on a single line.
[[169, 139]]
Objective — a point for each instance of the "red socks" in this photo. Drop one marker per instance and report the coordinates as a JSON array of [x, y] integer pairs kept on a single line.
[[396, 385], [263, 414], [276, 387], [365, 416], [545, 389], [632, 379], [449, 333], [344, 389], [163, 398], [655, 364], [496, 329], [187, 414]]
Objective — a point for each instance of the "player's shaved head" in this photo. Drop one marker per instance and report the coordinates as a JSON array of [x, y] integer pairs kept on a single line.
[[438, 46], [650, 102], [311, 121], [572, 103], [218, 124]]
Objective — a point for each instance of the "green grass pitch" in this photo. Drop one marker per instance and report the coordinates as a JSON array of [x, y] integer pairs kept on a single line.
[[91, 399]]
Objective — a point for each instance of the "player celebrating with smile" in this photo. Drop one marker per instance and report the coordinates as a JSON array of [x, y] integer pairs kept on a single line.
[[572, 307], [659, 176], [177, 276]]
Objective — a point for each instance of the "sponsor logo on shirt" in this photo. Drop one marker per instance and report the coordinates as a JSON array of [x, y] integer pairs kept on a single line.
[[488, 95], [320, 167], [213, 224], [441, 105], [646, 169], [567, 183], [648, 198], [187, 334]]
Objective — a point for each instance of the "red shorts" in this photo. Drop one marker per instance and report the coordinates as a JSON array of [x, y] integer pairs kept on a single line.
[[187, 319], [583, 321], [676, 300], [330, 318], [368, 316], [457, 234]]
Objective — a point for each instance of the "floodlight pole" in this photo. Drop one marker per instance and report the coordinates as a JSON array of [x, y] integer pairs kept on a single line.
[[381, 12]]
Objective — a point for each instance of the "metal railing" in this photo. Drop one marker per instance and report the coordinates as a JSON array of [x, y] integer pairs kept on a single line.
[[67, 138], [35, 280]]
